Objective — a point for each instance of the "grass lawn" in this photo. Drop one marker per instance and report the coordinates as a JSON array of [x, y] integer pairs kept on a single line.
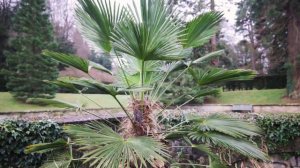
[[9, 104], [271, 96]]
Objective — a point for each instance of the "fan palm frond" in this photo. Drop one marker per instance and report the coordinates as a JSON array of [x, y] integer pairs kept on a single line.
[[208, 56], [154, 36], [216, 75], [231, 126], [75, 61], [52, 102], [89, 83], [241, 146], [200, 30], [59, 160], [104, 147], [97, 20], [46, 147], [226, 132]]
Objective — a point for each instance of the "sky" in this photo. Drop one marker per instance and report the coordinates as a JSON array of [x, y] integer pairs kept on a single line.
[[228, 7]]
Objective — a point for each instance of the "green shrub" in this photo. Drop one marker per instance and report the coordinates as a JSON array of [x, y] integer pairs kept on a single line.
[[16, 135], [279, 130]]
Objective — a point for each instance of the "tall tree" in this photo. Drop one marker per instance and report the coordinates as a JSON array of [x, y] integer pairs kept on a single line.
[[6, 13], [245, 24], [277, 25], [293, 40], [27, 68]]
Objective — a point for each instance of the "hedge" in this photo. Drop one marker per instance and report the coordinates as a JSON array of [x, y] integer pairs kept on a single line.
[[259, 82], [16, 135]]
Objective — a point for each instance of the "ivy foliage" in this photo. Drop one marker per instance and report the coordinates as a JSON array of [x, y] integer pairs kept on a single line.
[[279, 130], [16, 135]]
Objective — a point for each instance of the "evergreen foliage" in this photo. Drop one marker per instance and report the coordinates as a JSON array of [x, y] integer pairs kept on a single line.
[[27, 68], [7, 10], [101, 59], [16, 135]]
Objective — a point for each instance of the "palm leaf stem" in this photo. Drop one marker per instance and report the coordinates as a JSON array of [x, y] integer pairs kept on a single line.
[[124, 109], [168, 86], [102, 117], [160, 84], [99, 106], [124, 74]]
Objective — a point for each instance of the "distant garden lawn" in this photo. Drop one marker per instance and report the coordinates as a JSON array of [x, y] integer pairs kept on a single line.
[[9, 104], [272, 96]]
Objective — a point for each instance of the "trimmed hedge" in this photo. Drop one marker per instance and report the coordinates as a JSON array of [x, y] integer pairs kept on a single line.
[[280, 131], [259, 82], [16, 135]]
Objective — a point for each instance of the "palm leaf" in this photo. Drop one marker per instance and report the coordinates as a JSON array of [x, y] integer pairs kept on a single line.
[[60, 160], [75, 61], [206, 92], [230, 126], [208, 56], [216, 75], [89, 83], [52, 102], [200, 30], [152, 35], [103, 147], [46, 147], [241, 146], [98, 19]]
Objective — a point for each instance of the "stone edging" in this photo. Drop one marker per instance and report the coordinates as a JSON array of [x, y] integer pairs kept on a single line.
[[71, 116]]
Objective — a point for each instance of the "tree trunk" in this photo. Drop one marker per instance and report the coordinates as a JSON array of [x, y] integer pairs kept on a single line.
[[254, 54], [214, 39], [294, 48]]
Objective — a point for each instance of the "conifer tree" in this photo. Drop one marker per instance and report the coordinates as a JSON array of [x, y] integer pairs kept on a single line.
[[27, 68]]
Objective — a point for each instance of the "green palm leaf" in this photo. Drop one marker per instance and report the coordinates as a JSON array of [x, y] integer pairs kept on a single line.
[[75, 61], [206, 92], [200, 30], [46, 147], [216, 75], [52, 102], [152, 35], [98, 19], [89, 83], [103, 147], [241, 146], [208, 56], [60, 160], [231, 126]]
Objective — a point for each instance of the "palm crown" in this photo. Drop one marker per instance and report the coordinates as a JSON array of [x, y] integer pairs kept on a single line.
[[148, 44]]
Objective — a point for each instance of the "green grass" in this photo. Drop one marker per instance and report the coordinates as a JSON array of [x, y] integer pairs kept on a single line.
[[271, 96], [9, 104]]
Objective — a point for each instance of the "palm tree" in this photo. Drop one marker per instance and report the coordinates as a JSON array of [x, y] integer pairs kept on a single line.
[[148, 44]]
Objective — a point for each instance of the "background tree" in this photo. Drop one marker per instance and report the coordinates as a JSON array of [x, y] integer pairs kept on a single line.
[[277, 25], [6, 13], [245, 24], [27, 68]]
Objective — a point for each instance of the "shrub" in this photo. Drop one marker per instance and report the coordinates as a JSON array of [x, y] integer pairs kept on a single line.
[[279, 130], [16, 135]]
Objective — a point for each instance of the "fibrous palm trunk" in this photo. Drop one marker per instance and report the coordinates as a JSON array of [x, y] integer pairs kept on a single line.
[[144, 120]]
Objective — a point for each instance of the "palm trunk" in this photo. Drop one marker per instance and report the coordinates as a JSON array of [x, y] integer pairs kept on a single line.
[[144, 120], [294, 48]]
